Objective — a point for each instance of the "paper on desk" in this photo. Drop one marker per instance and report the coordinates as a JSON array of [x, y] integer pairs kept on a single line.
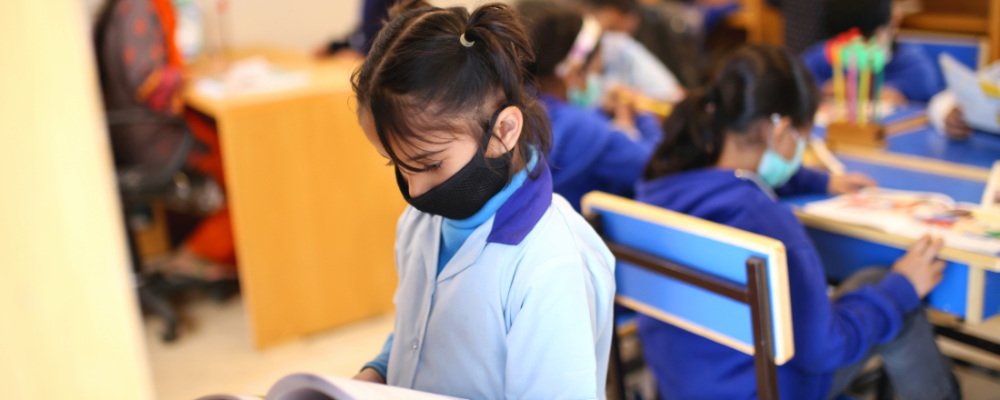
[[914, 214], [250, 76], [978, 94]]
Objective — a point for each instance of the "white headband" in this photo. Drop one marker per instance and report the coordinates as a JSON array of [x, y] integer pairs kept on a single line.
[[586, 41]]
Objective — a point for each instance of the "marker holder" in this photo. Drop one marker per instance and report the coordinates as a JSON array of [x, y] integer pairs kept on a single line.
[[843, 133]]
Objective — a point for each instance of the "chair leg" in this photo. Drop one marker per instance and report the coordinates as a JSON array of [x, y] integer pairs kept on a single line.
[[615, 369], [159, 305], [883, 387]]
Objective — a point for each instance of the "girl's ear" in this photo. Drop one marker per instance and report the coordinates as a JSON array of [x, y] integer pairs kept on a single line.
[[507, 129], [779, 128], [575, 77]]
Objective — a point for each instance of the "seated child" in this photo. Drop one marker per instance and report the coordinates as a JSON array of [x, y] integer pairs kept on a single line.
[[727, 152], [504, 290], [626, 61], [590, 151], [910, 74]]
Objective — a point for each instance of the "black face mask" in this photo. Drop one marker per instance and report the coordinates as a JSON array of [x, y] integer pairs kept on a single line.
[[466, 192]]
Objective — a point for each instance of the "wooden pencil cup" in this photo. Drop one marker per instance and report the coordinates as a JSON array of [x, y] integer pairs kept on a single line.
[[840, 133]]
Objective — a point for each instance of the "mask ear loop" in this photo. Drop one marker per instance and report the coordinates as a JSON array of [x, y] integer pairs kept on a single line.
[[775, 120]]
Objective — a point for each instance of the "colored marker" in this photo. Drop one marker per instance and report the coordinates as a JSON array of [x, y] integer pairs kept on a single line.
[[878, 64], [864, 67]]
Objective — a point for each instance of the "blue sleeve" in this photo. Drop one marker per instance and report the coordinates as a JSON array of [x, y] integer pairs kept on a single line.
[[805, 181], [621, 163], [832, 335], [381, 362], [913, 73], [815, 60], [649, 128], [829, 336]]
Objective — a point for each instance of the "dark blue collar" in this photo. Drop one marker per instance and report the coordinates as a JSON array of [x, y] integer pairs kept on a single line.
[[522, 211]]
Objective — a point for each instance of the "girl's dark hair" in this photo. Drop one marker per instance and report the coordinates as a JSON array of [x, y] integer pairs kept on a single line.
[[419, 77], [866, 15], [753, 83], [553, 28]]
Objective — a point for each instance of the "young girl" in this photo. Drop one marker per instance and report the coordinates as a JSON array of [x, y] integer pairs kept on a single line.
[[504, 291], [591, 152], [726, 151]]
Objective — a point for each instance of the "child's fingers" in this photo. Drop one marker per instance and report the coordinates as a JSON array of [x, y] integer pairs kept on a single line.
[[932, 250], [920, 245]]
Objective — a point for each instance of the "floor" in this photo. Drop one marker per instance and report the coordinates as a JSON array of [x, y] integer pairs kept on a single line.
[[215, 355]]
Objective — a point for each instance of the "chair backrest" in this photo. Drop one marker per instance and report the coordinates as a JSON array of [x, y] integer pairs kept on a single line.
[[718, 258]]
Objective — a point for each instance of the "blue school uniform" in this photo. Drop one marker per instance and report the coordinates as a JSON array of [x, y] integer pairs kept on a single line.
[[827, 335], [911, 70], [521, 308], [589, 154]]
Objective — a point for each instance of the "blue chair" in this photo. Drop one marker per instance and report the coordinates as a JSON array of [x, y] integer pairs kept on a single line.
[[675, 267]]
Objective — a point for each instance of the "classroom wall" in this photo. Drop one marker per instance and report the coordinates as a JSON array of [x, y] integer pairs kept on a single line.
[[69, 321]]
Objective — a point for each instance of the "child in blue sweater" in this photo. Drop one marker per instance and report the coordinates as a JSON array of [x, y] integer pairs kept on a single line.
[[727, 152], [910, 74], [591, 151]]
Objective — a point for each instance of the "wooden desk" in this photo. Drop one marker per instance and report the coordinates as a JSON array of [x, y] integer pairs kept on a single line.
[[314, 208], [968, 289]]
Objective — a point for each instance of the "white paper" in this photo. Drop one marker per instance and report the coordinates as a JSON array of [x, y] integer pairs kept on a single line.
[[250, 76], [911, 222], [309, 386], [981, 111]]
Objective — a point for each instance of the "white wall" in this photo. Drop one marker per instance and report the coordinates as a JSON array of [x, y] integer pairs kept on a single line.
[[295, 24]]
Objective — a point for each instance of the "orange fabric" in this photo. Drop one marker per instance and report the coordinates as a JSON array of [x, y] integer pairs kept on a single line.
[[213, 239], [165, 12], [204, 131]]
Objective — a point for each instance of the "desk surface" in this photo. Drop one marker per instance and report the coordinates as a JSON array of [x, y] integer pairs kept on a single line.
[[330, 75], [960, 189], [980, 151], [890, 177], [910, 135]]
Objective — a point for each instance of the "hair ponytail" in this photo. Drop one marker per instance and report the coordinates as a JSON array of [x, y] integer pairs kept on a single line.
[[754, 83], [691, 136]]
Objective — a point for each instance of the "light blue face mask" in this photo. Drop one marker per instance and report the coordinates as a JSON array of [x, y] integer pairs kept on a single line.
[[774, 169], [588, 97]]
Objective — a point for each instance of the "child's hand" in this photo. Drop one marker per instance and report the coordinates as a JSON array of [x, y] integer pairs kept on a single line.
[[850, 183], [369, 375], [920, 266], [891, 95], [955, 127]]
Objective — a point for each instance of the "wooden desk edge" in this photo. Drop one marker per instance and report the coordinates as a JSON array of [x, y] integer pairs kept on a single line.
[[914, 163], [976, 260]]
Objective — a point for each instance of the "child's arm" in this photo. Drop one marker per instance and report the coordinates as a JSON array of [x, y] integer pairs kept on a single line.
[[946, 117], [805, 181], [808, 181], [831, 334], [380, 364], [620, 164], [912, 72], [552, 341]]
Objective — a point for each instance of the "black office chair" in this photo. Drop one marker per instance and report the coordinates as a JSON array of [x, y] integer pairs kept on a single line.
[[139, 185]]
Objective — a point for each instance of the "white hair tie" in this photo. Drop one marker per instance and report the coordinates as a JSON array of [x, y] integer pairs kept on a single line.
[[465, 42]]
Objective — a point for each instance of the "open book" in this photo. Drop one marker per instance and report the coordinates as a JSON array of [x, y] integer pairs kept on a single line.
[[913, 214], [978, 93], [320, 387]]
